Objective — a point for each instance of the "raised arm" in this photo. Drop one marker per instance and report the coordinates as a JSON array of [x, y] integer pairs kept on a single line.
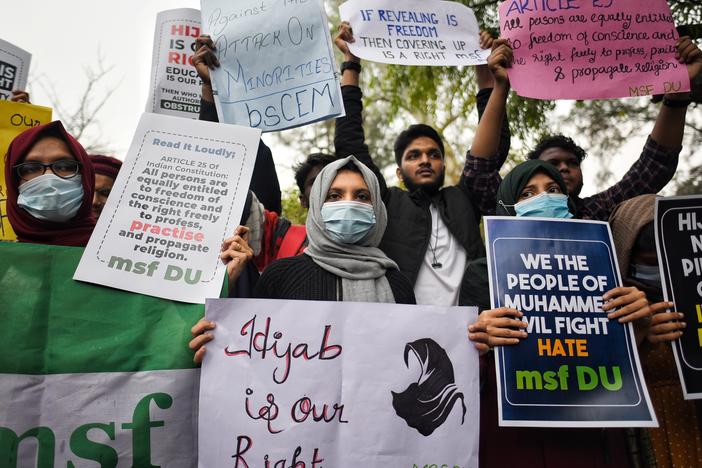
[[349, 137]]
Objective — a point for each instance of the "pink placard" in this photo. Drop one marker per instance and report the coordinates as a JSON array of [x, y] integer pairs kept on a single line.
[[592, 49]]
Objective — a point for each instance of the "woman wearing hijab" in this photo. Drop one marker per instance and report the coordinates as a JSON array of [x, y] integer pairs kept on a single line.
[[535, 188], [342, 262], [49, 181], [106, 170], [677, 440]]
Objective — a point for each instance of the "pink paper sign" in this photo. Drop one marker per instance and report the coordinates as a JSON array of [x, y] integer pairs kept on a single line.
[[592, 49]]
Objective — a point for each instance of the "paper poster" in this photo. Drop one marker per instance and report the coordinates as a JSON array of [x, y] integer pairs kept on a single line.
[[576, 368], [338, 384], [679, 243], [175, 87], [277, 63], [414, 32], [179, 194], [14, 69], [15, 117], [91, 376], [592, 49]]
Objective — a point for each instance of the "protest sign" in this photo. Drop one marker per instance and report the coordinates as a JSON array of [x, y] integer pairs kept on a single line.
[[311, 384], [14, 69], [592, 49], [679, 244], [576, 368], [277, 64], [414, 32], [15, 117], [175, 86], [90, 375], [179, 194]]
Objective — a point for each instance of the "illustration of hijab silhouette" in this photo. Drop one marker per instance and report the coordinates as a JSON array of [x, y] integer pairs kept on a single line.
[[426, 404]]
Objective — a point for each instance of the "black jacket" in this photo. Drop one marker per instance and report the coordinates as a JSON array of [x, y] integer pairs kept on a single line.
[[299, 278], [408, 232]]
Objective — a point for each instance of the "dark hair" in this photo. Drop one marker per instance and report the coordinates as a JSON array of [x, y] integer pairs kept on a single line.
[[303, 169], [557, 141], [646, 240], [405, 138]]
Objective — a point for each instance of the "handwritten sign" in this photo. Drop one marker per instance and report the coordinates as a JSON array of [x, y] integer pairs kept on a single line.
[[679, 243], [175, 86], [592, 49], [180, 192], [15, 117], [414, 32], [312, 384], [576, 368], [278, 67], [14, 69]]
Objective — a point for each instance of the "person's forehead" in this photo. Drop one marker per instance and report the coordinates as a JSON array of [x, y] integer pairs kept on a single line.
[[422, 143], [557, 154], [102, 180], [348, 180], [540, 178], [49, 149]]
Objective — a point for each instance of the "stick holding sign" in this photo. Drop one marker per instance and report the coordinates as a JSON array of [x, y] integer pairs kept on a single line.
[[679, 243], [414, 32], [179, 194], [277, 64], [577, 367], [175, 86], [592, 49], [14, 69]]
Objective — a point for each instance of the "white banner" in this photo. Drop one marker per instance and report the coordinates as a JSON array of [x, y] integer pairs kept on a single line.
[[118, 419], [179, 194], [14, 69], [277, 62], [338, 384], [414, 32], [175, 87]]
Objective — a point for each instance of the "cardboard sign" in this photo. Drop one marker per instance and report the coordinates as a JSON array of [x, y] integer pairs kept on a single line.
[[179, 194], [414, 32], [576, 368], [592, 49], [312, 384], [175, 86], [15, 117], [14, 69], [679, 243], [277, 63]]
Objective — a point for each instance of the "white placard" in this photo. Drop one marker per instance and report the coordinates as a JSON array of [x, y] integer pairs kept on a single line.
[[277, 62], [338, 384], [14, 69], [414, 32], [175, 87], [179, 194]]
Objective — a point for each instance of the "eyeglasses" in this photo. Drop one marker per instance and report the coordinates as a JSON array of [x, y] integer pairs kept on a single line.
[[65, 169]]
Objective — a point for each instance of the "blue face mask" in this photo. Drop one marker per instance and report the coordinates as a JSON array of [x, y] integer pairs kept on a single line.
[[544, 205], [348, 222], [51, 198]]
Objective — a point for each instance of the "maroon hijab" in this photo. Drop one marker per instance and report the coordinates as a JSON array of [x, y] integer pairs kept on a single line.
[[74, 232], [105, 165]]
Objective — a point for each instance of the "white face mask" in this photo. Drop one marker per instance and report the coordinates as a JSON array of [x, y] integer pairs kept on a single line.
[[51, 198]]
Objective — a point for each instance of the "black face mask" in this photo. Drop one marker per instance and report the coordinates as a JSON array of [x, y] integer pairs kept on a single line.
[[430, 189], [426, 404]]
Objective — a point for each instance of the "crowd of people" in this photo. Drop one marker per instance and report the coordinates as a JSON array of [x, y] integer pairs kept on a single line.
[[365, 241]]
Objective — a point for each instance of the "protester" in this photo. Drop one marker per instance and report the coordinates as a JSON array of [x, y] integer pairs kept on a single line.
[[264, 181], [106, 169], [49, 187], [345, 224], [433, 231], [654, 168], [535, 188], [677, 441]]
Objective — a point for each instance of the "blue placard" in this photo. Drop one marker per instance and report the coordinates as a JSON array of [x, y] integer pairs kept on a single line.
[[576, 368], [277, 62]]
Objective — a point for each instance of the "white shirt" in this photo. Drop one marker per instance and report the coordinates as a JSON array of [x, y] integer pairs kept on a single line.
[[440, 285]]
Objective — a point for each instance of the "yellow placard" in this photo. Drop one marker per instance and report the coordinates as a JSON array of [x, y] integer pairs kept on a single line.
[[15, 117]]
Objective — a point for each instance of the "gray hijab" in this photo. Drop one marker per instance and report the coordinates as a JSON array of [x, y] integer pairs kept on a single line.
[[361, 266]]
